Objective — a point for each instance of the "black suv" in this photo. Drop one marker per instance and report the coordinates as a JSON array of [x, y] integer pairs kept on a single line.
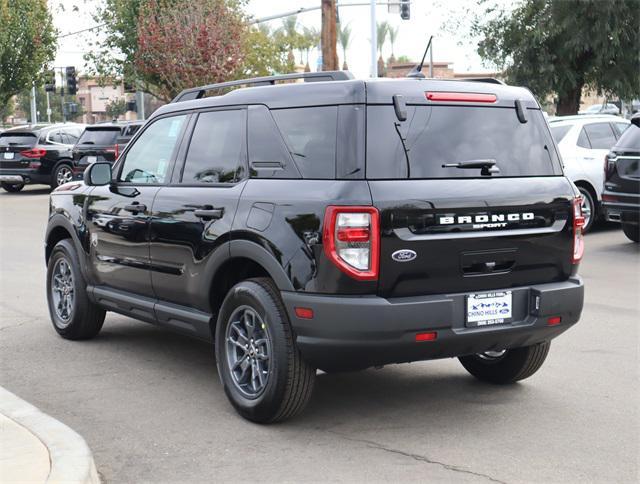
[[37, 154], [334, 225], [621, 195], [102, 142]]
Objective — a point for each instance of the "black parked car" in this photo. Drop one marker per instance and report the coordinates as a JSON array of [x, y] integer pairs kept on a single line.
[[337, 224], [621, 195], [102, 142], [37, 154]]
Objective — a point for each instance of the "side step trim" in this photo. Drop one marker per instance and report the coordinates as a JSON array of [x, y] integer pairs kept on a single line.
[[182, 319]]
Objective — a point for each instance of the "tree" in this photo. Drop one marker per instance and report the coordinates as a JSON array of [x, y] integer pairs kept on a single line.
[[344, 37], [311, 41], [263, 55], [189, 44], [381, 39], [562, 46], [23, 101], [116, 108], [27, 44], [393, 35]]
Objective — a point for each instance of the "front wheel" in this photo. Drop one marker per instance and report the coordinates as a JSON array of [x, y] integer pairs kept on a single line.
[[262, 371], [73, 315], [589, 209], [12, 187], [506, 366], [632, 231]]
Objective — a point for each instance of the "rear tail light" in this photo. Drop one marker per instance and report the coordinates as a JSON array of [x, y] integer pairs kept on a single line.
[[470, 97], [351, 239], [34, 153], [115, 149], [609, 164], [554, 320], [578, 224], [430, 336]]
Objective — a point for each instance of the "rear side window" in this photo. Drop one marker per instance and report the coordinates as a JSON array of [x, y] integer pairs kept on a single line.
[[97, 136], [216, 147], [630, 139], [600, 135], [310, 135], [583, 140], [620, 127], [559, 132], [18, 139], [436, 135]]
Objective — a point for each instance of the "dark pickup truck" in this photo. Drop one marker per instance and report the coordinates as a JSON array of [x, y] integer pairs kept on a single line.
[[332, 224]]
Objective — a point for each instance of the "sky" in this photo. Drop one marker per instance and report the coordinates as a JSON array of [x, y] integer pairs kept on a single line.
[[427, 18]]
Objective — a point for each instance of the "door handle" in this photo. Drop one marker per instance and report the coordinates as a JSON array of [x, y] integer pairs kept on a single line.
[[135, 207], [209, 213]]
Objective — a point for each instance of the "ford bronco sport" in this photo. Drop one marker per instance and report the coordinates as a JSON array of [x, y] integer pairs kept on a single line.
[[332, 224]]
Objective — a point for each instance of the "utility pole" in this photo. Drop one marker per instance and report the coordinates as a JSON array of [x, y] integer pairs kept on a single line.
[[374, 41], [328, 36], [48, 109], [34, 112]]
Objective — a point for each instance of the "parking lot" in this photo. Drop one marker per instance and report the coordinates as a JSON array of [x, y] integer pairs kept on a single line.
[[151, 407]]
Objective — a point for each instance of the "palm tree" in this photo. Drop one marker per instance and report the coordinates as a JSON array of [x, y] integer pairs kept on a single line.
[[311, 38], [344, 36], [289, 31], [393, 35], [382, 31]]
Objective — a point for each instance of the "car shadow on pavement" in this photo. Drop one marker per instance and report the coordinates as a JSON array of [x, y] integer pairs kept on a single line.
[[26, 192]]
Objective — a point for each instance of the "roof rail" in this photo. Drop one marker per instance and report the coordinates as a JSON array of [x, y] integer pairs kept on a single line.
[[490, 80], [199, 92]]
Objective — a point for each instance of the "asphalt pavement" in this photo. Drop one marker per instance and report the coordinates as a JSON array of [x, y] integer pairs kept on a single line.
[[150, 406]]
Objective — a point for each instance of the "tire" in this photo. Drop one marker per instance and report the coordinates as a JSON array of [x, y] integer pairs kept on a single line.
[[61, 175], [514, 365], [12, 188], [80, 318], [288, 379], [632, 231], [589, 207]]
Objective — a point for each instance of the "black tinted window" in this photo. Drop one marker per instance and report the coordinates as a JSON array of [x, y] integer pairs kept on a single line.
[[600, 135], [559, 132], [268, 154], [18, 139], [96, 136], [583, 140], [436, 135], [310, 135], [215, 147]]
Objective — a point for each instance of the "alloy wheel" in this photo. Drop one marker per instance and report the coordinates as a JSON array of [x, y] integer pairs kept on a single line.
[[248, 351], [586, 206], [62, 292], [64, 175]]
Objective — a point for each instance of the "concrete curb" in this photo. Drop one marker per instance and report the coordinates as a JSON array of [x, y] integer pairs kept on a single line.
[[70, 456]]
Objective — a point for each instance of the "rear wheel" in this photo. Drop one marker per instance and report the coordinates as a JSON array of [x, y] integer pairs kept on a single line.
[[632, 231], [262, 371], [506, 366], [61, 175], [12, 187], [73, 315], [589, 209]]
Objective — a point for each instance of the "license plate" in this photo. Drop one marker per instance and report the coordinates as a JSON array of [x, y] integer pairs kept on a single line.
[[92, 159], [489, 308], [9, 155]]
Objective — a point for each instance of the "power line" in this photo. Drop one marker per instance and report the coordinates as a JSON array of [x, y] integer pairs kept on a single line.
[[83, 30]]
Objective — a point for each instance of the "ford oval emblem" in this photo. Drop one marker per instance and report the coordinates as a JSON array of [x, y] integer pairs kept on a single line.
[[403, 255]]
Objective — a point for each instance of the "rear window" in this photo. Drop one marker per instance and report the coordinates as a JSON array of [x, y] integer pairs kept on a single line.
[[437, 135], [630, 139], [559, 132], [18, 139], [99, 136]]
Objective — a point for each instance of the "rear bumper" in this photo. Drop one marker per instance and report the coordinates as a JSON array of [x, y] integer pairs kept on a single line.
[[24, 176], [621, 212], [350, 332]]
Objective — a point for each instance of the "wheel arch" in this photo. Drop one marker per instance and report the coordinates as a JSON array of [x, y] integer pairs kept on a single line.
[[587, 185]]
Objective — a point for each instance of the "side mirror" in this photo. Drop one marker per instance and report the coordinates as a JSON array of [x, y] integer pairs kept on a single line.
[[97, 174], [400, 107]]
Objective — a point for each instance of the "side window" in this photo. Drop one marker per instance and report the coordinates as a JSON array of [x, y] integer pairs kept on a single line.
[[72, 136], [54, 137], [600, 135], [149, 158], [583, 141], [215, 148], [268, 154], [310, 134]]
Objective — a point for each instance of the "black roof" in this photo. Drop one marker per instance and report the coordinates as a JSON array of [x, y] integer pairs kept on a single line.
[[372, 91]]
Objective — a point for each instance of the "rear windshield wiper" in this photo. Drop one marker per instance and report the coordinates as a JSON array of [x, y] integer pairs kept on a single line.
[[488, 167]]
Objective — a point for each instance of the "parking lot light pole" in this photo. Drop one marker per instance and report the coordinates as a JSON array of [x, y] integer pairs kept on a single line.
[[374, 41]]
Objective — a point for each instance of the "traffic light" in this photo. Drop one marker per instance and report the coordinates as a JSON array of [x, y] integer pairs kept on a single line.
[[132, 106], [72, 82], [405, 9], [50, 81]]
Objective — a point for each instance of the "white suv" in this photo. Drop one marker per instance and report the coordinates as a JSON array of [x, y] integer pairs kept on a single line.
[[584, 140]]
